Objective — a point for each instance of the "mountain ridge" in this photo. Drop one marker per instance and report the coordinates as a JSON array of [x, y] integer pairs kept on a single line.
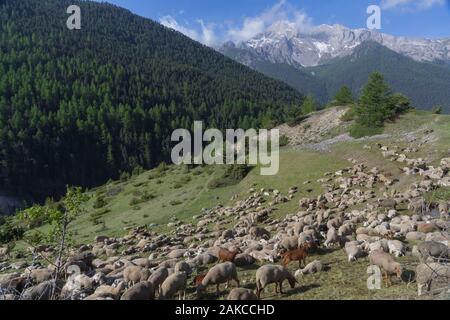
[[283, 42]]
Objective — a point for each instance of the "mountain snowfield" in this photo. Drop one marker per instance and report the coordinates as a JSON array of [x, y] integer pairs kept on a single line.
[[283, 42]]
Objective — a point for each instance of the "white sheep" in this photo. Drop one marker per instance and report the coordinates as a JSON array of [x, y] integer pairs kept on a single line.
[[386, 263], [241, 294], [313, 267], [332, 237], [141, 291], [176, 282], [135, 274], [353, 250], [220, 273], [429, 272], [273, 274], [396, 247], [158, 277]]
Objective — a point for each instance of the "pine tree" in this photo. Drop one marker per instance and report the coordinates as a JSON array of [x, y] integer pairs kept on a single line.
[[374, 105], [344, 97], [309, 105]]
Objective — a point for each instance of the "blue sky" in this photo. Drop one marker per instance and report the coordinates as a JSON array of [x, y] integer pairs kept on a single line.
[[214, 21]]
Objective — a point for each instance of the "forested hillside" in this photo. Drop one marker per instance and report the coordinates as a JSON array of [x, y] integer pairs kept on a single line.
[[427, 84], [80, 107]]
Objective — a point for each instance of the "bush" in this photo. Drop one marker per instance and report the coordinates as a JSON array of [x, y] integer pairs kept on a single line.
[[360, 131], [137, 171], [124, 176], [284, 141], [437, 110], [99, 202], [232, 175], [175, 202], [349, 115], [140, 197], [11, 231]]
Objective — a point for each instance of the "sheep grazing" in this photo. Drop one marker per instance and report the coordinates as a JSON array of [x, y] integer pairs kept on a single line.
[[158, 277], [444, 209], [353, 250], [107, 292], [241, 294], [299, 255], [41, 275], [332, 237], [432, 249], [183, 266], [75, 285], [141, 291], [311, 268], [426, 274], [243, 260], [259, 233], [396, 247], [135, 274], [43, 291], [197, 281], [227, 256], [427, 227], [204, 259], [288, 243], [221, 273], [176, 282], [387, 264], [273, 274]]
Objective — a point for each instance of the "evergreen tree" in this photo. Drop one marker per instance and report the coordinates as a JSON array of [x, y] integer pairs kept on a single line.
[[344, 97], [309, 105], [375, 105]]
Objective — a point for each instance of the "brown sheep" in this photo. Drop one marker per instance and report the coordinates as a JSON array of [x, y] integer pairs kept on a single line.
[[299, 255], [387, 263], [227, 256]]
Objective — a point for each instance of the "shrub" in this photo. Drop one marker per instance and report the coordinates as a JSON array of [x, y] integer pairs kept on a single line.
[[349, 115], [11, 231], [437, 110], [359, 131], [284, 141], [232, 175], [137, 171], [99, 202], [134, 201], [124, 176], [175, 202]]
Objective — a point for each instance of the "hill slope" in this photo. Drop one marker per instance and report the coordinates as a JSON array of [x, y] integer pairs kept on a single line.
[[177, 204], [79, 107]]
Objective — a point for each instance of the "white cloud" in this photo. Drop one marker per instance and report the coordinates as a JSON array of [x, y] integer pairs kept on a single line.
[[206, 35], [410, 4], [282, 11]]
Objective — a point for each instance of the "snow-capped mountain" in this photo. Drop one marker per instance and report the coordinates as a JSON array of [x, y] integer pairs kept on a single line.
[[284, 43]]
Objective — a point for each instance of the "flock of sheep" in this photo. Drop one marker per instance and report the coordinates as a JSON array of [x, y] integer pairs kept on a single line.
[[144, 265]]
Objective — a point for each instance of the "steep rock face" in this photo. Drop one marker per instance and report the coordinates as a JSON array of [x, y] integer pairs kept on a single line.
[[285, 43]]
